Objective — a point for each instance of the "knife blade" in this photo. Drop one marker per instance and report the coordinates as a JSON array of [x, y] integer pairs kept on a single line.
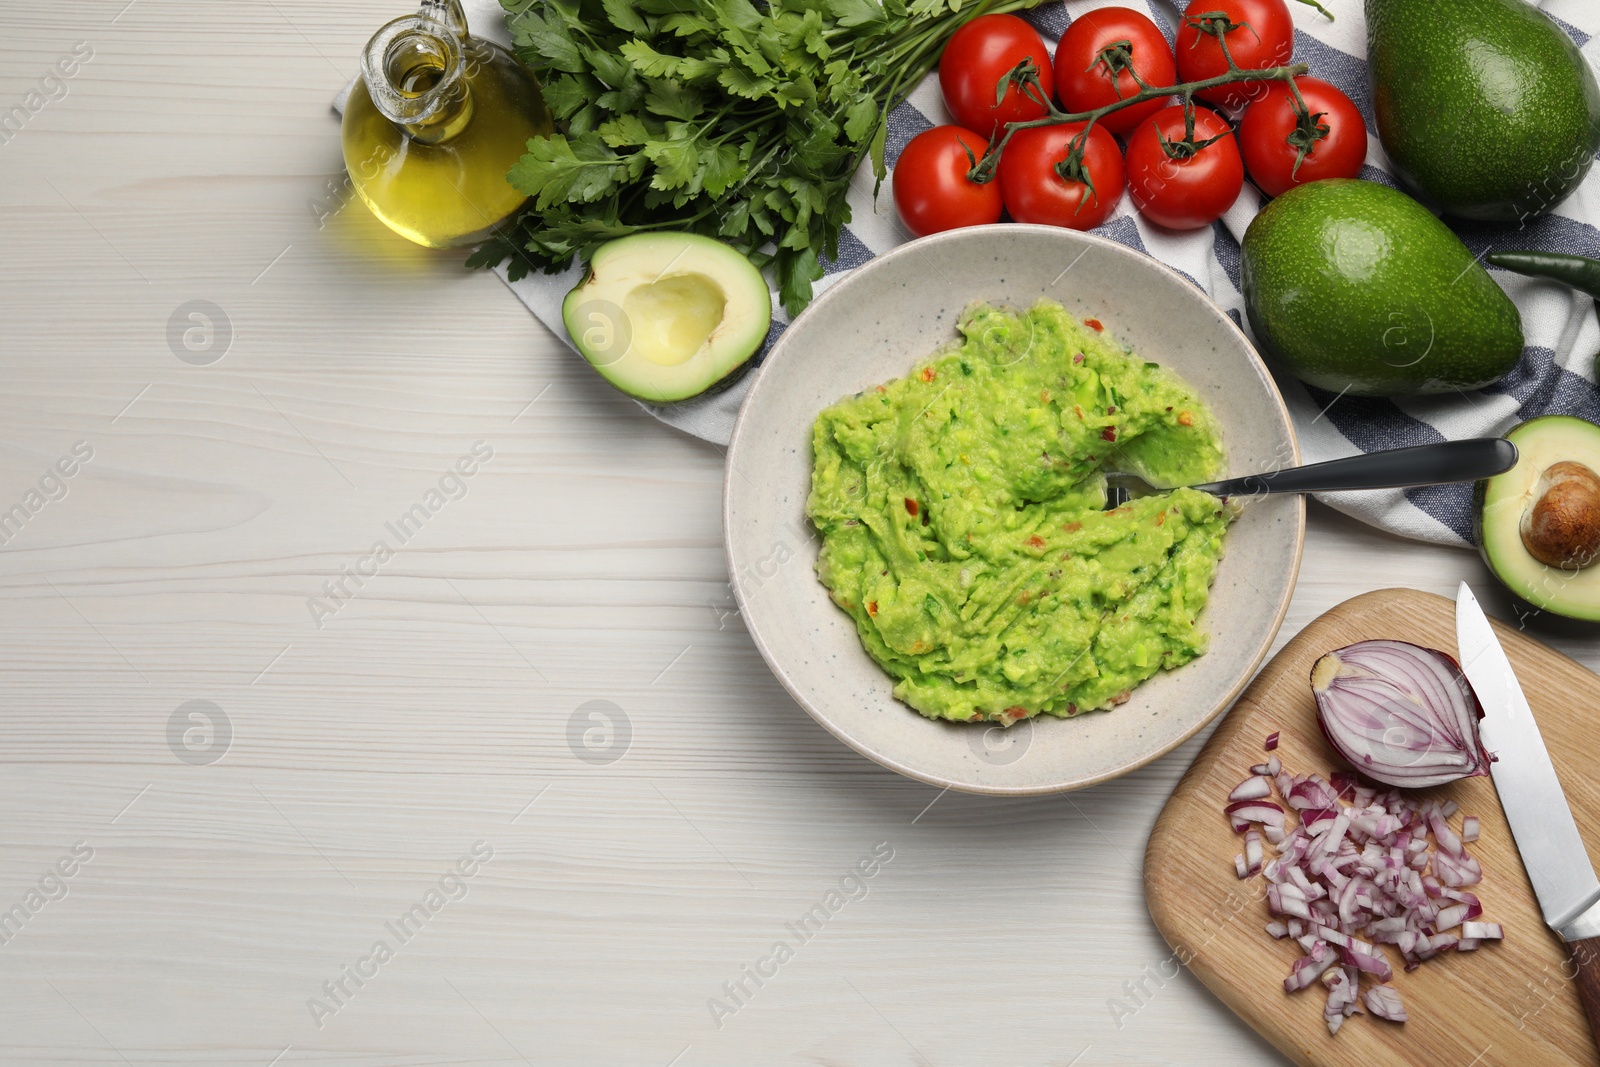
[[1536, 807]]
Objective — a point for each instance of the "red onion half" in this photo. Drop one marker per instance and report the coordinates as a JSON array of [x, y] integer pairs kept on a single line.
[[1401, 714]]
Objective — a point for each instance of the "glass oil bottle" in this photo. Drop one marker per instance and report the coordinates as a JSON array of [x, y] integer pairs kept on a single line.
[[433, 124]]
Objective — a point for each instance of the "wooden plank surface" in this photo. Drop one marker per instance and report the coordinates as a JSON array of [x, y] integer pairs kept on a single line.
[[1508, 1003], [195, 157]]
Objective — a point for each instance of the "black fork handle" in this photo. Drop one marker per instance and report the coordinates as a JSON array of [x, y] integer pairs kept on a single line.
[[1397, 468]]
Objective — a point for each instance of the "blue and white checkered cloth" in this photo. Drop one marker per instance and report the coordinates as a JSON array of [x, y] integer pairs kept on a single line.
[[1557, 373]]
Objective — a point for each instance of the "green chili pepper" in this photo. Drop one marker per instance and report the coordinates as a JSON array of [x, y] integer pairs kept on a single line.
[[1579, 272]]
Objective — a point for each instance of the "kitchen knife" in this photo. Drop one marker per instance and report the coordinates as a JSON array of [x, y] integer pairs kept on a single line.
[[1535, 806]]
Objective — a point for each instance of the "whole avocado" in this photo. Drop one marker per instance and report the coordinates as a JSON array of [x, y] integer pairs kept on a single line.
[[1485, 107], [1356, 288]]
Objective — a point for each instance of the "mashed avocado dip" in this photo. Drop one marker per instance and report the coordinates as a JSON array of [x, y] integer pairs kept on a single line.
[[960, 512]]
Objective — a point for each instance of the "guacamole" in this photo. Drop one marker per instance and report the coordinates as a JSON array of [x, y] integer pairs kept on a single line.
[[962, 525]]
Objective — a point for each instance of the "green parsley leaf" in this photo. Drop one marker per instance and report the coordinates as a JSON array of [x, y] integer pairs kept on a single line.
[[736, 221], [548, 41], [796, 271], [743, 119], [648, 61], [676, 160], [624, 16], [859, 118], [681, 25], [797, 93], [880, 169], [566, 93], [741, 82], [626, 131], [672, 99], [739, 15], [555, 169], [853, 13], [610, 67], [722, 167]]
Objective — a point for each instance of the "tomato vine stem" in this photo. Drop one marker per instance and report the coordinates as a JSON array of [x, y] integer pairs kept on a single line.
[[984, 169]]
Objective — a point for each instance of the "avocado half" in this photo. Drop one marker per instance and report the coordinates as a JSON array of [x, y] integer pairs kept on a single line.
[[1546, 497], [667, 316]]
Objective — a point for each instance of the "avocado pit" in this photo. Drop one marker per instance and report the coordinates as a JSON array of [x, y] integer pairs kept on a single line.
[[1561, 525]]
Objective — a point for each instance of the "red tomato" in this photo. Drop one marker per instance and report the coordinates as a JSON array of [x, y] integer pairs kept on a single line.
[[977, 57], [1187, 193], [1083, 80], [1264, 38], [931, 187], [1035, 191], [1268, 125]]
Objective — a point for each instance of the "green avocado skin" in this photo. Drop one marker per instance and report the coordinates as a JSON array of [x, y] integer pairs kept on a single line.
[[1485, 107], [1356, 288]]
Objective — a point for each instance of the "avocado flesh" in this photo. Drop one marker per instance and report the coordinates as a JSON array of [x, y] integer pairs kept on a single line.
[[666, 317], [1356, 288], [1485, 107], [1501, 501]]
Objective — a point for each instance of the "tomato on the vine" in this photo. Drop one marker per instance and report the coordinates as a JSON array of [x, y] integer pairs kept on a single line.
[[1035, 189], [1086, 79], [975, 60], [1262, 36], [1274, 132], [1193, 188], [931, 188]]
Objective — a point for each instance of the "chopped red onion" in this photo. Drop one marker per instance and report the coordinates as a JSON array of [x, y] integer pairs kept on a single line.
[[1440, 942], [1245, 812], [1253, 788], [1454, 871], [1474, 908], [1448, 839], [1341, 997], [1309, 968], [1316, 820], [1272, 741], [1383, 1002], [1369, 963], [1252, 854], [1401, 714], [1363, 868]]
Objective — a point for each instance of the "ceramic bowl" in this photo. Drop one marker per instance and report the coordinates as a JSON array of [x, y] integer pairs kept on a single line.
[[873, 326]]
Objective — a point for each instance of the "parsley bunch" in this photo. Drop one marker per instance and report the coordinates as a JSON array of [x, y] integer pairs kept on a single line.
[[737, 120]]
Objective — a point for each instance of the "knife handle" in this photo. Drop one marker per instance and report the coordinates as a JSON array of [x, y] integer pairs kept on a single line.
[[1586, 957]]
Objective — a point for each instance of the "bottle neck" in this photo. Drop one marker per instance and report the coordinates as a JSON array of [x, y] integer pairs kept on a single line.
[[415, 72]]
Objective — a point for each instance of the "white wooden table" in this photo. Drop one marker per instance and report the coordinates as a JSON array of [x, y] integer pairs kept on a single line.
[[243, 853]]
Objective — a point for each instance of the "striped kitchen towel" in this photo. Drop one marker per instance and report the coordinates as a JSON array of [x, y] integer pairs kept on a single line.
[[1556, 375]]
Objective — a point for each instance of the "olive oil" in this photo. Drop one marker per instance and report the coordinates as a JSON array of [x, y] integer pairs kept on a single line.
[[433, 124]]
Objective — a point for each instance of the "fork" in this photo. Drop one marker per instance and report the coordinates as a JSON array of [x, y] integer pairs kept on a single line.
[[1395, 468]]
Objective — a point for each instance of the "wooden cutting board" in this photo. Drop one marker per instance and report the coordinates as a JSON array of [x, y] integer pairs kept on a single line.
[[1507, 1003]]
